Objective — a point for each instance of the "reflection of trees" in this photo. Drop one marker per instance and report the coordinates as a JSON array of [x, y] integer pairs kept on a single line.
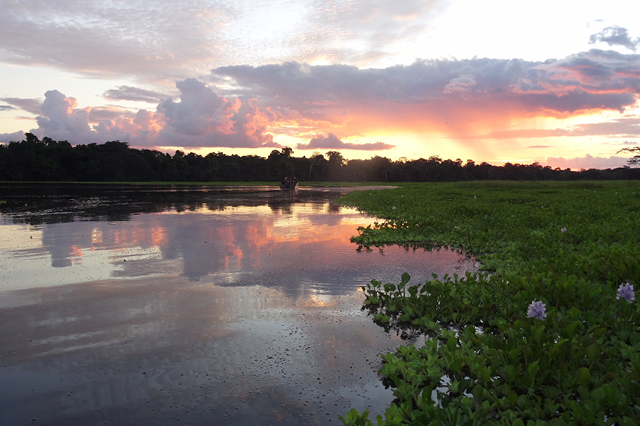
[[310, 255], [74, 219], [49, 203]]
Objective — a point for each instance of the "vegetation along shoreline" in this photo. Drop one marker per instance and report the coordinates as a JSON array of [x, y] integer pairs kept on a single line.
[[49, 160], [547, 333]]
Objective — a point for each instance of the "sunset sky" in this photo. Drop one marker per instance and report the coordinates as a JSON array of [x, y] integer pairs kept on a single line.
[[557, 82]]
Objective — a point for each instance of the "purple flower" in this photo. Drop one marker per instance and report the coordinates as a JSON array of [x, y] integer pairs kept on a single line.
[[625, 291], [563, 230], [537, 310]]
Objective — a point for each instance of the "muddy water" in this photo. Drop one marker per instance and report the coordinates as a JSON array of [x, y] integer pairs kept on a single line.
[[203, 306]]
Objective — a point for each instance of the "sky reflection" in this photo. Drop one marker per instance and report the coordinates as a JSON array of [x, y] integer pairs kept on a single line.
[[234, 245], [224, 309]]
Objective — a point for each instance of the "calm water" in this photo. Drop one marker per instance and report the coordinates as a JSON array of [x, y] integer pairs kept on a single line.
[[204, 306]]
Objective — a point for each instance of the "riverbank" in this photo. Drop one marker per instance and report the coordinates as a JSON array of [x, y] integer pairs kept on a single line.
[[496, 356]]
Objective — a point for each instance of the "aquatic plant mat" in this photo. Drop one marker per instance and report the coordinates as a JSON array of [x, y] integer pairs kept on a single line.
[[548, 333]]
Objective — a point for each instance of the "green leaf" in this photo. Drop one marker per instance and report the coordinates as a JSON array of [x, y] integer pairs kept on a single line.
[[583, 376], [539, 334], [452, 343]]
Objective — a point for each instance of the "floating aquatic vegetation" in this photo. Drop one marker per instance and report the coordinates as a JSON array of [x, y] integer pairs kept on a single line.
[[482, 361]]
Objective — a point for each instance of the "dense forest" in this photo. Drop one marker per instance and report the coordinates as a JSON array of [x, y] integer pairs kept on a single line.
[[49, 160]]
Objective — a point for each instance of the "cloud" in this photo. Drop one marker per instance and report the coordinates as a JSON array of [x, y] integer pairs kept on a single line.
[[128, 93], [11, 137], [331, 141], [60, 120], [621, 127], [155, 40], [587, 162], [199, 111], [593, 80], [200, 118], [29, 105], [160, 40], [460, 84], [615, 36], [98, 114], [461, 99], [539, 146], [360, 32]]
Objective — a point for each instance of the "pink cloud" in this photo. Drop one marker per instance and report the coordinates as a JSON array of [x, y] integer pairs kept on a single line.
[[466, 100], [586, 162], [200, 118]]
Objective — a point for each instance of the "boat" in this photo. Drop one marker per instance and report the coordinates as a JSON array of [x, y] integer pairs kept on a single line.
[[287, 183]]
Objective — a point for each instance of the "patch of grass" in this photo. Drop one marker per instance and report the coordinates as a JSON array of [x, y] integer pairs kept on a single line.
[[567, 244]]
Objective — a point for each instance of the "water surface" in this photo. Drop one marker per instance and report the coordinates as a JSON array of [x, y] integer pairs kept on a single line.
[[205, 305]]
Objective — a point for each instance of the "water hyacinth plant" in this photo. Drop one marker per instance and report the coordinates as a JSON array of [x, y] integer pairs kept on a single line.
[[537, 310], [625, 291], [483, 360]]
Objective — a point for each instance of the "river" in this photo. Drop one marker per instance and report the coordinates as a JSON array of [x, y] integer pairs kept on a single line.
[[153, 305]]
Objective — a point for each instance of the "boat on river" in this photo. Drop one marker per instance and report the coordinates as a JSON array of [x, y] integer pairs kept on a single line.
[[289, 184]]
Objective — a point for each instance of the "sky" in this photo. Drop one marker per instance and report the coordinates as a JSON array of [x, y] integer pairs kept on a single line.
[[554, 82]]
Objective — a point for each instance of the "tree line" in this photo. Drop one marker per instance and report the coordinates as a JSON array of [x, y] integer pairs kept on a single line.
[[49, 160]]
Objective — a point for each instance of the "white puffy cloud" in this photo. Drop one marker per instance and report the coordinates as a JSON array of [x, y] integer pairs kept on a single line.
[[204, 119], [200, 118], [200, 111], [60, 120]]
